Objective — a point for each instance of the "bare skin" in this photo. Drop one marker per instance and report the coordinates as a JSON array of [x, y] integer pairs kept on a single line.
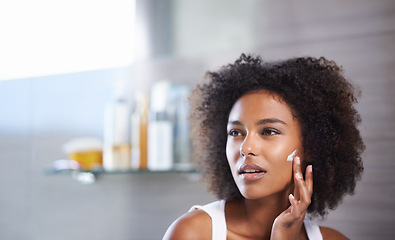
[[262, 133]]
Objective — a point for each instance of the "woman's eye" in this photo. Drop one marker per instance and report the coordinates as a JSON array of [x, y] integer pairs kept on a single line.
[[234, 133], [270, 132]]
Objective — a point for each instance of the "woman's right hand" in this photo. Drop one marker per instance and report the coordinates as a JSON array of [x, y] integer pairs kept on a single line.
[[289, 223]]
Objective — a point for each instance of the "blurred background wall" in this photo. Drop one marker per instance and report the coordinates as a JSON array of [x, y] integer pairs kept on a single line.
[[179, 40]]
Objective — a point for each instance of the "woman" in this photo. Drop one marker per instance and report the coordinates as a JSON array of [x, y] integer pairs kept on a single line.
[[264, 133]]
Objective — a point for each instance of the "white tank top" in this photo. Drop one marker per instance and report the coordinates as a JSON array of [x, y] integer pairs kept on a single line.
[[216, 210]]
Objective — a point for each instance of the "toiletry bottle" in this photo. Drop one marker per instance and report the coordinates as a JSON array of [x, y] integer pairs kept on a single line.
[[160, 129], [182, 142], [116, 149], [139, 132]]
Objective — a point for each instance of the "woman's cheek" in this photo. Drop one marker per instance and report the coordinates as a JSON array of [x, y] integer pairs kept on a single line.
[[228, 151], [232, 151], [278, 153]]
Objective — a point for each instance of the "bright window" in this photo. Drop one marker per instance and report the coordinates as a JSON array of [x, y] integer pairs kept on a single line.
[[46, 37]]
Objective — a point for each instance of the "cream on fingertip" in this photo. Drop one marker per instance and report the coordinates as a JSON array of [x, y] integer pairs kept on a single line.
[[291, 156]]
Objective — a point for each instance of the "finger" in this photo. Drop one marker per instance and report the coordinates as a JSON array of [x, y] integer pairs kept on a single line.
[[309, 179], [304, 200], [306, 190], [298, 177], [294, 205], [296, 210], [302, 191]]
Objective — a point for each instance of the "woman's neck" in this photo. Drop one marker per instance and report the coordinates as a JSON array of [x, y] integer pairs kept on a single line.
[[254, 218]]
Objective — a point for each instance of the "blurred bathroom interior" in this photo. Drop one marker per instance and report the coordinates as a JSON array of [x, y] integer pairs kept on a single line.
[[70, 69]]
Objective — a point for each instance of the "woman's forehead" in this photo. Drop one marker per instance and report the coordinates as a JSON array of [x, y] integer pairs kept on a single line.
[[260, 104]]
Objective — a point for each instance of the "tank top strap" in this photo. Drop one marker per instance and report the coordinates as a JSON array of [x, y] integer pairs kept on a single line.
[[216, 211], [312, 229]]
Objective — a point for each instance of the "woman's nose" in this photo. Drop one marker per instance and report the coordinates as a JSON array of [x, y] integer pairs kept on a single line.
[[248, 147]]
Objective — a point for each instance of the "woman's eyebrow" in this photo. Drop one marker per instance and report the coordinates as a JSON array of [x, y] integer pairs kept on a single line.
[[234, 123], [270, 120], [260, 122]]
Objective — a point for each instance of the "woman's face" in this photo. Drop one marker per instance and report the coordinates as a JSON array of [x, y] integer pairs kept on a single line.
[[262, 133]]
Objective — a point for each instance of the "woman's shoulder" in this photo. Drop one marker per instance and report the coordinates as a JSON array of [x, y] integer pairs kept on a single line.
[[330, 233], [192, 225]]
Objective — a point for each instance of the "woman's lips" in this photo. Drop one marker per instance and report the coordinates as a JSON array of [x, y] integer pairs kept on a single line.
[[251, 172]]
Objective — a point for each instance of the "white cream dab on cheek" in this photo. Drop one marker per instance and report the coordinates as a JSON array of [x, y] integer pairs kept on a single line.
[[291, 157]]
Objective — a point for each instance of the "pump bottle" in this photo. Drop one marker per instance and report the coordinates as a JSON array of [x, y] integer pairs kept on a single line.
[[116, 149], [160, 129]]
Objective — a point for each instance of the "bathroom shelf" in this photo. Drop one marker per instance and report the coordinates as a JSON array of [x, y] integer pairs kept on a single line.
[[89, 177]]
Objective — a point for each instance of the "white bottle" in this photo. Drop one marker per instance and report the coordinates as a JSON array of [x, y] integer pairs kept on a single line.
[[160, 129], [116, 149], [182, 143]]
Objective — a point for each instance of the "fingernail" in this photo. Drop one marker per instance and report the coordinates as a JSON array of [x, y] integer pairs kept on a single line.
[[297, 159], [291, 195]]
